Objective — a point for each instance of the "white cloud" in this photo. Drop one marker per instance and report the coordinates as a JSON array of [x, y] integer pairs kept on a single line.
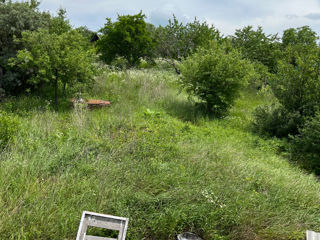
[[228, 15]]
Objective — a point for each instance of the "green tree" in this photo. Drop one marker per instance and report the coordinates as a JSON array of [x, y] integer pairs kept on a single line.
[[128, 37], [176, 41], [257, 46], [299, 36], [215, 75], [297, 82], [16, 17], [59, 24], [86, 32], [296, 85], [59, 61]]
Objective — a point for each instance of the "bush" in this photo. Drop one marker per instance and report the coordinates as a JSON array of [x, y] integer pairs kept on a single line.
[[9, 125], [215, 75], [306, 145], [120, 63], [276, 121]]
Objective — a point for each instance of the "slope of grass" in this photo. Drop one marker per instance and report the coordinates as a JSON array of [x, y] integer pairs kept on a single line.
[[154, 158]]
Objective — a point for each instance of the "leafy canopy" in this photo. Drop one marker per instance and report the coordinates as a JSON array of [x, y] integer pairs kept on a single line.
[[16, 17], [296, 85], [299, 36], [55, 60], [297, 82], [257, 46], [176, 41], [128, 37]]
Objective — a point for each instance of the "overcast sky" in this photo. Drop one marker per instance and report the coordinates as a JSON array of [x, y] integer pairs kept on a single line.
[[227, 15]]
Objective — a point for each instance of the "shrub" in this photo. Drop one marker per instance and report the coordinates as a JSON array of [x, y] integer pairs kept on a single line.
[[275, 121], [306, 145], [215, 75], [9, 125], [120, 63]]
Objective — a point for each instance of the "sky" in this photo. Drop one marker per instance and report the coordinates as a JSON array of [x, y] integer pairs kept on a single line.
[[226, 15]]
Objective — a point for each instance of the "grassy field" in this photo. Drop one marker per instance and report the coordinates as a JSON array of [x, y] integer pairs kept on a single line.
[[154, 158]]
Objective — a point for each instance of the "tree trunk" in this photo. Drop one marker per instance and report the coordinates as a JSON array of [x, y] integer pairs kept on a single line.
[[64, 89], [56, 92], [172, 62], [173, 65], [1, 74]]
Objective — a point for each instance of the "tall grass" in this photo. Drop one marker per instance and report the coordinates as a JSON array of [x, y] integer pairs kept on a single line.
[[152, 157]]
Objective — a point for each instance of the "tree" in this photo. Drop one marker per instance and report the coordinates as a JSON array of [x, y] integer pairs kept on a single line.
[[297, 82], [128, 37], [16, 17], [86, 32], [304, 36], [176, 41], [215, 75], [59, 61], [256, 46], [296, 85]]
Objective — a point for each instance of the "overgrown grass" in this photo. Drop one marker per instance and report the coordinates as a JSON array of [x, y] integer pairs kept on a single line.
[[154, 158]]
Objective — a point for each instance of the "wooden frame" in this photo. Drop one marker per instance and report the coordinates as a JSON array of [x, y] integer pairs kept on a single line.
[[119, 224]]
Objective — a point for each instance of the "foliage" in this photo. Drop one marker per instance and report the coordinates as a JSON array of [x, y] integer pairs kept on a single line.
[[307, 144], [299, 36], [215, 75], [55, 60], [296, 85], [16, 17], [261, 79], [257, 46], [128, 37], [176, 41], [86, 32], [297, 82], [9, 126], [273, 120], [120, 63], [59, 24]]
